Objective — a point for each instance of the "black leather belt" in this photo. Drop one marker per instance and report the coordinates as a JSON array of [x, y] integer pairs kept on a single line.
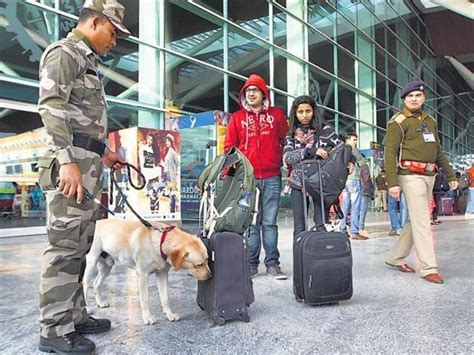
[[86, 142]]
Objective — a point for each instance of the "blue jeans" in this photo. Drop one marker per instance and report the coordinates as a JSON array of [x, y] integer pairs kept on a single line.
[[364, 206], [351, 197], [397, 221], [403, 210], [266, 229], [470, 203]]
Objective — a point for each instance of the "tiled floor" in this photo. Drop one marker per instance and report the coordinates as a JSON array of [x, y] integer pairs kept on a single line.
[[390, 312]]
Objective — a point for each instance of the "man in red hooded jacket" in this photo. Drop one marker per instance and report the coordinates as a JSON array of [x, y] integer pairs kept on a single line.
[[259, 131]]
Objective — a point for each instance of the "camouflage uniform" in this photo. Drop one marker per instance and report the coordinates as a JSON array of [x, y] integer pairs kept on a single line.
[[71, 101]]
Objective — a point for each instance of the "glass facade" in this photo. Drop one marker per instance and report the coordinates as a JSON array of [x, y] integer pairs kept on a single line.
[[187, 57]]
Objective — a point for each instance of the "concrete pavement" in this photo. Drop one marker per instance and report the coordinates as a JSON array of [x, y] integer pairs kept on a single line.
[[390, 312]]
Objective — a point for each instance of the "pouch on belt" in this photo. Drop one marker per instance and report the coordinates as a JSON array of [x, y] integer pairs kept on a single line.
[[48, 173]]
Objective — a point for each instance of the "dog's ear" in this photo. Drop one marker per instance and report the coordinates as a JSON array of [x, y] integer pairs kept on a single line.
[[177, 257]]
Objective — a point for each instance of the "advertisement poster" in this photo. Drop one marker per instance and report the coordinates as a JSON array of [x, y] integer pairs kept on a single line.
[[190, 195], [156, 153]]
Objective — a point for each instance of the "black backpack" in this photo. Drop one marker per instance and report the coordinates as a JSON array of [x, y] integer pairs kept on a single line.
[[334, 174]]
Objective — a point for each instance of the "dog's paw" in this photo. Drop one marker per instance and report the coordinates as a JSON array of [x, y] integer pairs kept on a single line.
[[149, 319], [172, 316], [103, 304], [89, 310]]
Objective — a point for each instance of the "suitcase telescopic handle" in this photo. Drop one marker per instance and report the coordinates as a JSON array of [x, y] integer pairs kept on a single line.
[[323, 212]]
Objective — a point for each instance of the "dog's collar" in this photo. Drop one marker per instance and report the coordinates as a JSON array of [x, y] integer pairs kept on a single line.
[[163, 238]]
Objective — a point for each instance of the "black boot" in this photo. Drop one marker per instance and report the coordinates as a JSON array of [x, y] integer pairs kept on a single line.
[[93, 326], [71, 343]]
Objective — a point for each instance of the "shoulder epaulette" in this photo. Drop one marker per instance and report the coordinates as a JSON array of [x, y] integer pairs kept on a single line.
[[398, 117], [432, 118]]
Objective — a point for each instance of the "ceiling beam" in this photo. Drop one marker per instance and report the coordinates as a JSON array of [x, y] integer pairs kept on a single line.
[[461, 7]]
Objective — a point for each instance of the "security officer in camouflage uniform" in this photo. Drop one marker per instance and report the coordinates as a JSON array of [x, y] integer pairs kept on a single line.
[[412, 154], [73, 109]]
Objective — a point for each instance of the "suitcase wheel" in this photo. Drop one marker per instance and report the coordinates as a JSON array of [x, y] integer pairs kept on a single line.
[[218, 320], [245, 317]]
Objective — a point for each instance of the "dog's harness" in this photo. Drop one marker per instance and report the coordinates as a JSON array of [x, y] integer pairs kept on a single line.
[[163, 238]]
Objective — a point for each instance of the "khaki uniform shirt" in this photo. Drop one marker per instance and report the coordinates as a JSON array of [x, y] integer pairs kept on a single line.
[[405, 137]]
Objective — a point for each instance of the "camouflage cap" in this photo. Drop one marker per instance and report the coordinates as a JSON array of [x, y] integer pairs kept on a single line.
[[114, 12]]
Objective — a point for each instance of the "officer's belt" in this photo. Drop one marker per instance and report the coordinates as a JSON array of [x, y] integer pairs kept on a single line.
[[88, 143], [420, 165]]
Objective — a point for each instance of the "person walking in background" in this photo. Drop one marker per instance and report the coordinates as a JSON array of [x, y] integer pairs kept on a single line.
[[367, 191], [308, 138], [470, 203], [462, 196], [73, 110], [352, 195], [441, 186], [398, 214], [381, 198], [412, 154], [259, 131]]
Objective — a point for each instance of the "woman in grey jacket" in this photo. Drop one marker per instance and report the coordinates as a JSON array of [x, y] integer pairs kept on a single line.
[[308, 138]]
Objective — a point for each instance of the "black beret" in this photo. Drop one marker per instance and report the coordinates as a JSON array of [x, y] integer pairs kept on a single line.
[[416, 85]]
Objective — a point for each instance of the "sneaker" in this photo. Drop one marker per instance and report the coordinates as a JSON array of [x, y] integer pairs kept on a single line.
[[393, 233], [93, 326], [253, 271], [364, 233], [275, 272], [72, 342]]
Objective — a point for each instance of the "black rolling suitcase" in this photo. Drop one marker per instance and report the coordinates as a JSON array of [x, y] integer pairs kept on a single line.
[[322, 264], [229, 292]]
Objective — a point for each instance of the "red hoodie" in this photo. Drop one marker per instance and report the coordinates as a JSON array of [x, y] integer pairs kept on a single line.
[[260, 136]]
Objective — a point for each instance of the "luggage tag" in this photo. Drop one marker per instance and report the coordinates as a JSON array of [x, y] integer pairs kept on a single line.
[[329, 227]]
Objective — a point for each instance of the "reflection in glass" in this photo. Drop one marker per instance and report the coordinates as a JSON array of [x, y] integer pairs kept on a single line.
[[250, 15], [203, 40], [247, 55], [193, 87]]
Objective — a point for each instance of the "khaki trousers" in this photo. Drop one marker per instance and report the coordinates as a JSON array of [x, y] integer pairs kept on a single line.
[[381, 200], [418, 190]]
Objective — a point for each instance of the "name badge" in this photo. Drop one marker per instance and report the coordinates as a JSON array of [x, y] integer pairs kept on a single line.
[[429, 137]]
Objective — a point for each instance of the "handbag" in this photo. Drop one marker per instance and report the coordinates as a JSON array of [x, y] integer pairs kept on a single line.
[[334, 173]]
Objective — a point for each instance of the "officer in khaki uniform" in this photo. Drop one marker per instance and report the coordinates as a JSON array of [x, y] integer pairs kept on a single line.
[[412, 154], [73, 109]]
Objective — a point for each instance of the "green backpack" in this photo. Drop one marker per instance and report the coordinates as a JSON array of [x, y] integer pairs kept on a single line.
[[228, 194]]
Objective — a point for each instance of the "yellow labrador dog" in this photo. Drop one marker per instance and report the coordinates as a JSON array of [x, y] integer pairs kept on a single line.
[[147, 251]]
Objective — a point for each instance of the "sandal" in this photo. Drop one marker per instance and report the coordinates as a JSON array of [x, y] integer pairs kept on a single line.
[[402, 268]]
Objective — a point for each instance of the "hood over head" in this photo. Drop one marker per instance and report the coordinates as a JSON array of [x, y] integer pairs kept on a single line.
[[258, 81]]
